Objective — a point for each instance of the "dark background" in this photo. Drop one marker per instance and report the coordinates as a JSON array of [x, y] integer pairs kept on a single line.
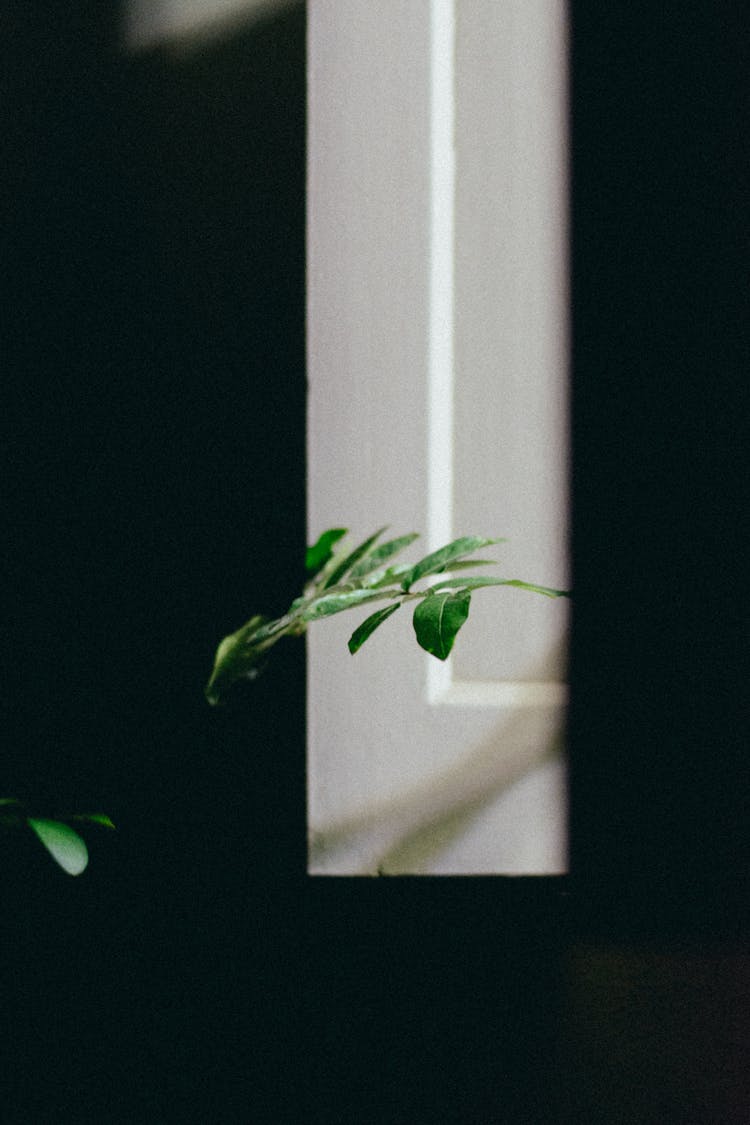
[[659, 722], [153, 498]]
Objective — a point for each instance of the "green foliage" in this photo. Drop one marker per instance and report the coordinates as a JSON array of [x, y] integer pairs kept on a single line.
[[63, 843], [343, 578], [349, 562], [439, 560], [318, 555], [437, 620], [369, 625]]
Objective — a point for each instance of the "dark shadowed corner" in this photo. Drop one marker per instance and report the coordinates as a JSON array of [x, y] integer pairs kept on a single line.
[[153, 465]]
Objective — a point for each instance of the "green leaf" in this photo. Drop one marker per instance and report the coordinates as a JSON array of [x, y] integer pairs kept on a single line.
[[368, 626], [95, 818], [236, 657], [229, 645], [532, 586], [271, 631], [318, 555], [385, 551], [476, 583], [64, 845], [440, 560], [329, 604], [351, 559], [464, 564], [437, 620], [390, 577]]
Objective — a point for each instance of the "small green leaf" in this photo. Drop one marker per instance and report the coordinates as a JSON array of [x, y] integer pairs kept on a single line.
[[95, 818], [532, 586], [236, 657], [318, 555], [440, 560], [329, 604], [388, 577], [464, 564], [476, 583], [351, 559], [271, 631], [437, 620], [368, 626], [385, 551], [237, 640], [64, 845]]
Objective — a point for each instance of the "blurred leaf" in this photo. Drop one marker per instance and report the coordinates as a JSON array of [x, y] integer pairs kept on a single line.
[[437, 620], [351, 559], [318, 555], [440, 560], [368, 626], [236, 658], [95, 818], [385, 551], [64, 845]]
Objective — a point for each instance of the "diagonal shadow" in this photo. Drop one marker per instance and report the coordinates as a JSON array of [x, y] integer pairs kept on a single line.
[[402, 835]]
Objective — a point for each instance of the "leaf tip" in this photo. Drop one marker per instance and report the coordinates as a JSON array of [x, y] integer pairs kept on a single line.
[[65, 846]]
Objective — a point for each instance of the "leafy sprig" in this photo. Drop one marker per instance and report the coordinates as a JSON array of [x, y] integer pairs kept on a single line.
[[340, 578], [64, 844]]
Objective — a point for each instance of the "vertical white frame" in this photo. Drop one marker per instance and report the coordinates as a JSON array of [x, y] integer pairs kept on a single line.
[[399, 746]]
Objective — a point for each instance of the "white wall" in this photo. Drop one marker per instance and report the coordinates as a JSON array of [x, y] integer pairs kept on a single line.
[[437, 367]]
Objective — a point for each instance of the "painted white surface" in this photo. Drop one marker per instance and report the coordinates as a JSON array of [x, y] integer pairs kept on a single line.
[[436, 363]]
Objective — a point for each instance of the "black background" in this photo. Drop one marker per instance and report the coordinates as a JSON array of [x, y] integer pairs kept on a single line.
[[661, 784], [153, 498]]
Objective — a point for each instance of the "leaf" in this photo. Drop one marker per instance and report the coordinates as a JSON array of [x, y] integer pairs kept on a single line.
[[385, 551], [476, 583], [437, 620], [64, 845], [440, 559], [95, 818], [230, 644], [464, 564], [532, 586], [318, 555], [351, 559], [369, 625], [329, 604], [272, 631], [389, 577], [236, 657]]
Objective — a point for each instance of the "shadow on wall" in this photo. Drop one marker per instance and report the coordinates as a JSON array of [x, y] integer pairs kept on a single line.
[[461, 821]]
